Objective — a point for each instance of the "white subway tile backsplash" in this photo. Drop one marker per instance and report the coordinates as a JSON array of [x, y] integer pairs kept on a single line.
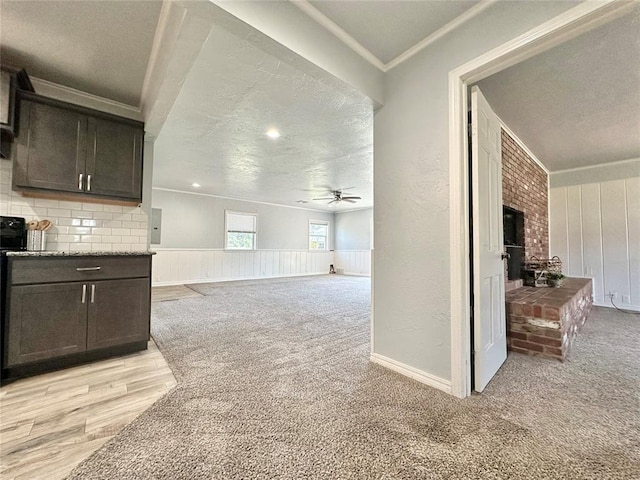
[[58, 212], [82, 214], [111, 239], [69, 221], [61, 247], [94, 207], [68, 238], [91, 239], [112, 208], [112, 223], [80, 230], [39, 212], [22, 201], [77, 225], [70, 205], [45, 202]]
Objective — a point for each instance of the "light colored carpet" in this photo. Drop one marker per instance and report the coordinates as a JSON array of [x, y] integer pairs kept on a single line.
[[274, 382]]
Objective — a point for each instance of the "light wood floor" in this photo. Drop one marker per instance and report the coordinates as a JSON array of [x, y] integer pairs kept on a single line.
[[172, 292], [49, 423]]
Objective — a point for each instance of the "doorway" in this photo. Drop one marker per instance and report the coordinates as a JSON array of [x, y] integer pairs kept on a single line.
[[564, 27]]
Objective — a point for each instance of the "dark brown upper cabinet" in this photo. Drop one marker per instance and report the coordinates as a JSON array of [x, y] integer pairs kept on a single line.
[[8, 82], [74, 150]]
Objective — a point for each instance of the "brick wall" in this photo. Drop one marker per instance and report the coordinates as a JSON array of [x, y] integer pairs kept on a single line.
[[524, 187]]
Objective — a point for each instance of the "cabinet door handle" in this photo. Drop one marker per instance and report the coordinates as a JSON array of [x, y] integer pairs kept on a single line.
[[80, 182], [89, 183], [84, 292], [93, 292], [87, 269]]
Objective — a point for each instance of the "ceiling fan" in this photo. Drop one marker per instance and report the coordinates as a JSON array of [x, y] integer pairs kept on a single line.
[[340, 196]]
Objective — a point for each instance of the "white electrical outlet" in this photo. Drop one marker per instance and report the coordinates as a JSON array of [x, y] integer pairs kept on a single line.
[[612, 295]]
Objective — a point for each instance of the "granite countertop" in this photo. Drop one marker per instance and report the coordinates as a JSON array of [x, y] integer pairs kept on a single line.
[[54, 253]]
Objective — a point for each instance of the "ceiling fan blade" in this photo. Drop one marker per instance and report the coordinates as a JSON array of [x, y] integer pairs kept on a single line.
[[351, 197], [349, 200], [333, 201], [324, 198]]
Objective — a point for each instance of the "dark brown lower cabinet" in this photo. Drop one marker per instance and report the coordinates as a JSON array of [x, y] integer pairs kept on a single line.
[[61, 322], [118, 312], [46, 321]]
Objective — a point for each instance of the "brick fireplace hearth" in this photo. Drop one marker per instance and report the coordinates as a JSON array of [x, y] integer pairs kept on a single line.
[[545, 321]]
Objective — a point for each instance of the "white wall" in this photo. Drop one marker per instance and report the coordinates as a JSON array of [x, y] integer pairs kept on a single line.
[[192, 240], [353, 230], [353, 242], [412, 317], [595, 230]]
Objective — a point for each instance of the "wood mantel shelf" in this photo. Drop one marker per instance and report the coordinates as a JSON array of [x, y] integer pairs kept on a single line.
[[545, 321]]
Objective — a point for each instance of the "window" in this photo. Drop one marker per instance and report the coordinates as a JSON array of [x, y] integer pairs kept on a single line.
[[240, 230], [318, 235]]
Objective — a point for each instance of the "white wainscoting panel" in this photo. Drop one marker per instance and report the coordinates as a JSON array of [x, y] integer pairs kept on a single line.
[[595, 230], [180, 266], [354, 262]]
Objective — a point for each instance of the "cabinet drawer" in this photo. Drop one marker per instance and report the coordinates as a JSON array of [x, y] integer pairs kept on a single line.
[[25, 270]]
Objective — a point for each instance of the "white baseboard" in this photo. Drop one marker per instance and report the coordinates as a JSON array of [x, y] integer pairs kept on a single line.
[[357, 274], [411, 372], [632, 308], [232, 279]]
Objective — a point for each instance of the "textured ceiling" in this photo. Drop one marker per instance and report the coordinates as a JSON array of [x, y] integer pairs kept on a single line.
[[215, 132], [79, 43], [389, 28], [577, 104]]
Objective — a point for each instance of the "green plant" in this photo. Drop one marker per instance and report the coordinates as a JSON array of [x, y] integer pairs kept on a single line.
[[555, 276]]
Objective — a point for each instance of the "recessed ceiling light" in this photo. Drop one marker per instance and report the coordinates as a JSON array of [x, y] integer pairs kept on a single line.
[[302, 201], [196, 185], [273, 133]]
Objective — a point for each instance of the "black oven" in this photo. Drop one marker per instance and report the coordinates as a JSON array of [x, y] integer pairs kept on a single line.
[[13, 237]]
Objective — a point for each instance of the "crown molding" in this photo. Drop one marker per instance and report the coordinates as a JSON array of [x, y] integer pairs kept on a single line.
[[162, 189], [523, 146], [347, 39], [71, 95], [599, 165], [441, 32], [161, 27], [358, 48]]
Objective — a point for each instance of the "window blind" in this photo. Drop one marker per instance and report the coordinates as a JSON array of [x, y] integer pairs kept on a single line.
[[241, 223]]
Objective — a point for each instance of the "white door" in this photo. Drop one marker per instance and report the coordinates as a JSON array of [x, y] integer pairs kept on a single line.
[[490, 340]]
